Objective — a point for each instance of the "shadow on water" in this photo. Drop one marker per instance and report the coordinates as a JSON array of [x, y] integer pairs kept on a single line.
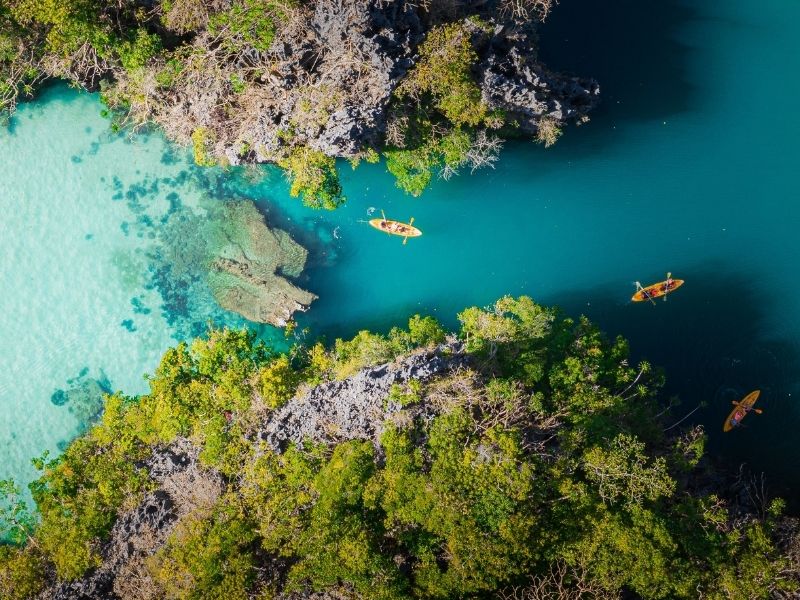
[[633, 49], [630, 47], [709, 337]]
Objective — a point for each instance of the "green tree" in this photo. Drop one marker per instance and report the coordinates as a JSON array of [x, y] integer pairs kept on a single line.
[[539, 464], [22, 572], [443, 74], [16, 521], [314, 177], [208, 555]]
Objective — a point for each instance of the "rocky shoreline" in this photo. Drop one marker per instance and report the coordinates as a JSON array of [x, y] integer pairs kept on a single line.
[[299, 84], [389, 464], [359, 407]]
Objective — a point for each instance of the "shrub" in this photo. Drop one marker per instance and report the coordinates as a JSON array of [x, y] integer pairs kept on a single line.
[[202, 143], [249, 24], [137, 52], [548, 132], [277, 382], [414, 168], [313, 176], [444, 73], [207, 555], [22, 572]]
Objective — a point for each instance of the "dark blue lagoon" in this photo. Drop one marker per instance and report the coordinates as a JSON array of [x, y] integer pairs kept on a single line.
[[688, 166]]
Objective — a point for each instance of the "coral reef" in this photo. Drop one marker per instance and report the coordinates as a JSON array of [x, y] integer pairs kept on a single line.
[[250, 264], [210, 255]]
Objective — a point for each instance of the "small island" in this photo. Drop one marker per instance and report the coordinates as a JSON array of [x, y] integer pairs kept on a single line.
[[524, 457]]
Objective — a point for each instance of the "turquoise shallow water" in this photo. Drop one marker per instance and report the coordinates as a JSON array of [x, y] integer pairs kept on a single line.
[[689, 165], [99, 270]]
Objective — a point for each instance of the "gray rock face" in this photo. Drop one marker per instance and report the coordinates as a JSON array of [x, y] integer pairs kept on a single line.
[[348, 129], [512, 80], [357, 407], [384, 35], [176, 458], [153, 518], [371, 44], [327, 80], [327, 88]]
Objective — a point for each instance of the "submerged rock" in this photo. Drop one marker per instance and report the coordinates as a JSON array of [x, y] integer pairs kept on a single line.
[[250, 264], [217, 257], [84, 397]]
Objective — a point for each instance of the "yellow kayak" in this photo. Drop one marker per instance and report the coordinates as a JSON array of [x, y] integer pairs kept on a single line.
[[405, 230], [740, 411], [657, 290]]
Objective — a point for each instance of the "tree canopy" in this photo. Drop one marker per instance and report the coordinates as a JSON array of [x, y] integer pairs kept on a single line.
[[539, 468]]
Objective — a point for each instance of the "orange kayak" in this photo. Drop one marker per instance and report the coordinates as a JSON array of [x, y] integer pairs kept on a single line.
[[657, 290], [740, 411], [395, 228]]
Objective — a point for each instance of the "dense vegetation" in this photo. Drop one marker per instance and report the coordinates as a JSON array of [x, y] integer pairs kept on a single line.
[[255, 80], [542, 470]]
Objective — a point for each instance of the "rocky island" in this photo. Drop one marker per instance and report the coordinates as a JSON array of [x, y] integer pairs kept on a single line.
[[524, 457], [434, 87]]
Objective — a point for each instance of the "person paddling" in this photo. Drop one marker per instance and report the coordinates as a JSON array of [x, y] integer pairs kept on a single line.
[[739, 414], [741, 410]]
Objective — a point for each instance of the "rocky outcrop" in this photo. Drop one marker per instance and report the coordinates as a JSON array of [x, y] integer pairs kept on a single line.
[[138, 533], [381, 36], [327, 81], [250, 264], [514, 81], [357, 407], [362, 50], [319, 74]]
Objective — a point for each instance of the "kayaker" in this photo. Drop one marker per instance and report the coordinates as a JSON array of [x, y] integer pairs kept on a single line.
[[737, 417]]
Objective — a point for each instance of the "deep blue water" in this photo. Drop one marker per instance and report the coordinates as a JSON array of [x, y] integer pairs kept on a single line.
[[688, 166]]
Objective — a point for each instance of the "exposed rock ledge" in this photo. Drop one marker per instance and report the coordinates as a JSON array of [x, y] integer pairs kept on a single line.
[[328, 79], [355, 408]]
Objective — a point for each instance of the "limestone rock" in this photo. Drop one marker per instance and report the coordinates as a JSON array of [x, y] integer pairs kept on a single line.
[[137, 533], [355, 408], [514, 81]]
